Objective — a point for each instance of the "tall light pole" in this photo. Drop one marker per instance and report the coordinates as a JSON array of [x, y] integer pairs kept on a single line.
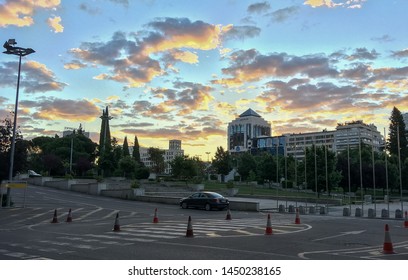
[[20, 52]]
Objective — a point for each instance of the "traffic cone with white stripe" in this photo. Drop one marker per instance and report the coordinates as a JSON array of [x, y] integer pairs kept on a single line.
[[228, 217], [268, 230], [406, 220], [387, 247], [155, 218], [297, 219], [116, 227], [55, 218], [69, 217], [189, 232]]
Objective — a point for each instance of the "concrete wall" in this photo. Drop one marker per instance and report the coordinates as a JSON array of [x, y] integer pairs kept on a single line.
[[89, 188], [62, 184], [244, 205]]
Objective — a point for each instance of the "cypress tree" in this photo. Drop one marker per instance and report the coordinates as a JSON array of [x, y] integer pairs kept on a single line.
[[136, 151], [125, 147], [397, 128]]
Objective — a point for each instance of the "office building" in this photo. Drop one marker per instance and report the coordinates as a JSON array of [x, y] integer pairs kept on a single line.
[[247, 126]]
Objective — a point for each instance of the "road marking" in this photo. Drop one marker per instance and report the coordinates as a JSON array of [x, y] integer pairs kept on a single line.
[[342, 234]]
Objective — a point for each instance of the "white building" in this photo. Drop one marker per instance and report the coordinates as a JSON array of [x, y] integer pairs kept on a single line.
[[347, 135], [70, 130], [247, 126], [170, 154]]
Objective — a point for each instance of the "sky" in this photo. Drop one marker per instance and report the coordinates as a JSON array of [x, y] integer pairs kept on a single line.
[[185, 69]]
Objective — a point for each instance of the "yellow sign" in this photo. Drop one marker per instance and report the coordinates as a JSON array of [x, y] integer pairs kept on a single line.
[[15, 184]]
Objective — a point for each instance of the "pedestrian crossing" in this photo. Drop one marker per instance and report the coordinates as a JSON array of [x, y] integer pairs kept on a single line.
[[132, 233], [206, 229]]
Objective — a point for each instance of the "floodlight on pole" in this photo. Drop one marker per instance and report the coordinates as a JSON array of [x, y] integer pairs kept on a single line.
[[20, 52]]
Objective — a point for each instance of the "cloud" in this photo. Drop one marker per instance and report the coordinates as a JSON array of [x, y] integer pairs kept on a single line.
[[320, 3], [184, 99], [62, 109], [20, 13], [133, 59], [400, 54], [55, 24], [307, 97], [282, 15], [74, 64], [363, 53], [90, 10], [349, 4], [252, 66], [241, 32], [185, 134], [37, 77], [258, 8], [383, 39]]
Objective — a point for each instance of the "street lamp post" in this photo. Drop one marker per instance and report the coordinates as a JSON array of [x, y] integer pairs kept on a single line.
[[20, 52]]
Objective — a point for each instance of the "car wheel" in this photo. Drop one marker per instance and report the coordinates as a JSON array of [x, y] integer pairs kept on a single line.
[[207, 207], [184, 205]]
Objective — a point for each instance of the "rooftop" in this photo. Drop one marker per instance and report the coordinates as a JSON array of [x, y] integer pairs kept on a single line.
[[249, 113]]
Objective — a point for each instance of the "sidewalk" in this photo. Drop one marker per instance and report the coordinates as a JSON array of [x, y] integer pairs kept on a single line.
[[273, 204]]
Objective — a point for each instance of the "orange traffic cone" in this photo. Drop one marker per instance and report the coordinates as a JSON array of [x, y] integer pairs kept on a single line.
[[268, 230], [69, 217], [297, 219], [189, 232], [406, 220], [155, 219], [387, 248], [116, 227], [55, 219], [228, 217]]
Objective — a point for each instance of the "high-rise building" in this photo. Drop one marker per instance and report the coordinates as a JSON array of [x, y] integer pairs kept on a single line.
[[247, 126]]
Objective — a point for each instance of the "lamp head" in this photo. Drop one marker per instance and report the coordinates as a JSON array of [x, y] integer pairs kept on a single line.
[[11, 42]]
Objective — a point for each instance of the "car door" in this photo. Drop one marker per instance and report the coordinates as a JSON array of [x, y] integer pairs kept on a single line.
[[203, 199], [195, 200]]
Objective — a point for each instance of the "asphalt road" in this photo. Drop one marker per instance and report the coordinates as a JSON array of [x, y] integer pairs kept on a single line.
[[27, 232]]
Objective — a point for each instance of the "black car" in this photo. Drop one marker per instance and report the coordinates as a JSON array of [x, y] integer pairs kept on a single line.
[[206, 200]]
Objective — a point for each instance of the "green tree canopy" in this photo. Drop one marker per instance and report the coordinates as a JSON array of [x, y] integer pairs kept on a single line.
[[222, 161], [156, 156]]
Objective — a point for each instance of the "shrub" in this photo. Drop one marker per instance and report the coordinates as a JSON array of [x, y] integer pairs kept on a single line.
[[135, 184], [230, 184]]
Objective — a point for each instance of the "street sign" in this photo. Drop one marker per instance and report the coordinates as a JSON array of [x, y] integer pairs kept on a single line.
[[11, 185]]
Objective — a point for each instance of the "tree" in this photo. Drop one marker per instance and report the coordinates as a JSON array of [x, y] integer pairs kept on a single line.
[[222, 161], [317, 160], [83, 152], [157, 159], [53, 164], [83, 165], [266, 167], [125, 148], [184, 167], [106, 162], [136, 150], [246, 165], [397, 133], [127, 165], [20, 152]]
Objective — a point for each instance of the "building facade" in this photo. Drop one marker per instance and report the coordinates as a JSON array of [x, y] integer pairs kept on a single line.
[[346, 136], [170, 154], [243, 129]]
